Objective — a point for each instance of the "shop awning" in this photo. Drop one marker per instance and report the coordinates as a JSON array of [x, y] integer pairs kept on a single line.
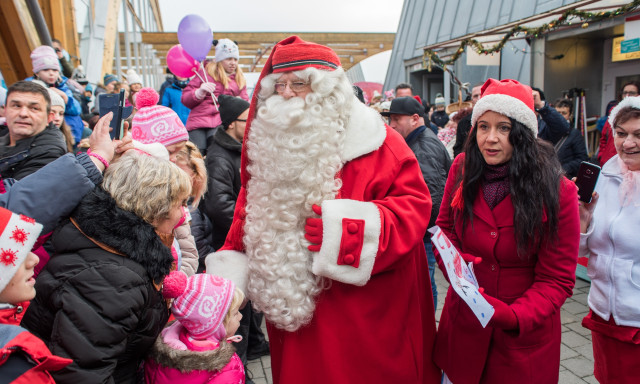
[[492, 36]]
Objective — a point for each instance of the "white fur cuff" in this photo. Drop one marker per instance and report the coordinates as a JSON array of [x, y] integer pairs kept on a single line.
[[348, 225], [232, 265]]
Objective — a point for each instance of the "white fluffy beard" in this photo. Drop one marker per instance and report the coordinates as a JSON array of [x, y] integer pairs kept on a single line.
[[294, 150]]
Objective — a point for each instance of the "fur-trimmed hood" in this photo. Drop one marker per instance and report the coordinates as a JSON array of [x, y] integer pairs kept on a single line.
[[187, 361], [99, 218]]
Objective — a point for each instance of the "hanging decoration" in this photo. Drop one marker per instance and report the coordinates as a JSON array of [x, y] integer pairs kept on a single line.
[[569, 17]]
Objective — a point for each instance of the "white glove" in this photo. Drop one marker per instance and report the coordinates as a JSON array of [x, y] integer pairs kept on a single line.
[[204, 89]]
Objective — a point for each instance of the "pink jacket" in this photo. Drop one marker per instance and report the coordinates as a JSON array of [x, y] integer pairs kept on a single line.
[[203, 112], [174, 359]]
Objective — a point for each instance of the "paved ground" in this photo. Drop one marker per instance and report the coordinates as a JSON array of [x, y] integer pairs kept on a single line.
[[576, 365]]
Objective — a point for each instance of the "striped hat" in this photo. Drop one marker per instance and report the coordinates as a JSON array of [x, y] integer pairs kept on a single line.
[[201, 304], [154, 123], [510, 98], [18, 234]]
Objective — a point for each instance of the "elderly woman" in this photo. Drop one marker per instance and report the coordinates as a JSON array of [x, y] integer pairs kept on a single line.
[[508, 209], [100, 302], [610, 226]]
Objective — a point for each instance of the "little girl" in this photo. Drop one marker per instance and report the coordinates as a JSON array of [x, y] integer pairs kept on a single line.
[[196, 348], [224, 77], [46, 68]]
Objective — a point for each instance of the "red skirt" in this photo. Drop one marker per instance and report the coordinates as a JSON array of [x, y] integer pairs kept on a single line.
[[616, 350]]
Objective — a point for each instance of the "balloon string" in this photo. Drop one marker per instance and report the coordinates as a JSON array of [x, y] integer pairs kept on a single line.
[[213, 97]]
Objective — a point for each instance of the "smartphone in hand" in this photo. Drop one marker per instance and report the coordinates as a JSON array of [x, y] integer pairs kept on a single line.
[[586, 181], [114, 102]]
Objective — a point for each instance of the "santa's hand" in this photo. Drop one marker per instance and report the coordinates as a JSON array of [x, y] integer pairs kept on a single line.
[[204, 89], [313, 230], [469, 258], [503, 317]]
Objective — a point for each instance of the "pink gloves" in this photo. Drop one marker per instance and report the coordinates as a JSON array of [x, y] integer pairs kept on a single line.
[[204, 89], [313, 230]]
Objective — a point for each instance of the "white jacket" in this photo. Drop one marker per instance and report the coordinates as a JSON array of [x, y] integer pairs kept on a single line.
[[612, 242]]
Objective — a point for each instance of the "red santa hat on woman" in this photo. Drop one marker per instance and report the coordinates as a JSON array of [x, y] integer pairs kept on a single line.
[[290, 54], [510, 98]]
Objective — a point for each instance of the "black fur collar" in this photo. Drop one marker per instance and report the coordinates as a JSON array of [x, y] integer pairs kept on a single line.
[[100, 218], [187, 361]]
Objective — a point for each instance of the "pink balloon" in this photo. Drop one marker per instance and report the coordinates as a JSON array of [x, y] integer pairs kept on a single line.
[[180, 62]]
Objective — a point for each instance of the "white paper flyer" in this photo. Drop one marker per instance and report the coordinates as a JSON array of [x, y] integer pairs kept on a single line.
[[462, 277]]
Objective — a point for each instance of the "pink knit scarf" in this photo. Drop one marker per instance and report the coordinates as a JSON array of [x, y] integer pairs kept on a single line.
[[630, 186]]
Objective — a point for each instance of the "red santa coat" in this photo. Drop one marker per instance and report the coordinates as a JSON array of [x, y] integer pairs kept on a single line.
[[375, 324], [534, 286]]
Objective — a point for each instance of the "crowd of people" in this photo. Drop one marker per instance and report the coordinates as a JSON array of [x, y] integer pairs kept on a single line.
[[155, 257]]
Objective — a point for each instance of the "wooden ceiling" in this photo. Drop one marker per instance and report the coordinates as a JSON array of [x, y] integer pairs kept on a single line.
[[255, 47]]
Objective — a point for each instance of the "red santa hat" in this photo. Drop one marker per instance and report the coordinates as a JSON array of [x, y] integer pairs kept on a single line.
[[291, 54], [510, 98]]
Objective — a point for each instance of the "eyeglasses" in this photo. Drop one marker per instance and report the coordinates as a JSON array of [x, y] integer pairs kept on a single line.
[[243, 120], [295, 86], [629, 93]]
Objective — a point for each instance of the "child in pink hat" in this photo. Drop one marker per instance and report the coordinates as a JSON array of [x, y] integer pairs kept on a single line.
[[197, 348], [154, 123]]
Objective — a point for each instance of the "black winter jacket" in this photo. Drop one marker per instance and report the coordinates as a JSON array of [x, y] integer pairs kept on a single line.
[[30, 154], [94, 305], [223, 167], [572, 152], [434, 163]]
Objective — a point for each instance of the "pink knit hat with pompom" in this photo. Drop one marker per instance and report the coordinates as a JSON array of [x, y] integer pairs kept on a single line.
[[154, 123], [201, 303]]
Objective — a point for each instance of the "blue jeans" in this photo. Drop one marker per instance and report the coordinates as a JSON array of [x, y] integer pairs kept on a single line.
[[431, 260]]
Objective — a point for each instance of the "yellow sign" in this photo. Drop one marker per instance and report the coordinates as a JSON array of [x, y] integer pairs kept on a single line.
[[617, 55]]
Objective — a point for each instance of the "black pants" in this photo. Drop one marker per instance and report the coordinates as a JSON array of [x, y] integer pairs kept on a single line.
[[202, 137]]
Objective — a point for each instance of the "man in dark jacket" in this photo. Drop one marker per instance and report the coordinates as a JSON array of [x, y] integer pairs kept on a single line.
[[31, 142], [405, 114], [223, 186], [553, 127]]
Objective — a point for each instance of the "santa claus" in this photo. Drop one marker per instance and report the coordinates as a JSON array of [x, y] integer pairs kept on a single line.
[[327, 231]]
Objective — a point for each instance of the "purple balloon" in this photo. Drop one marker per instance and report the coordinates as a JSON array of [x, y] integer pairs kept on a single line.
[[180, 62], [194, 34]]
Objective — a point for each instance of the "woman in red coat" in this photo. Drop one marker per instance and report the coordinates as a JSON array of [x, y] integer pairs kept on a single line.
[[508, 209]]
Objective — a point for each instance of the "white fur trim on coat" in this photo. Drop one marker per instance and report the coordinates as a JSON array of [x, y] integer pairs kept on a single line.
[[325, 262], [631, 101], [508, 106], [232, 265], [365, 132]]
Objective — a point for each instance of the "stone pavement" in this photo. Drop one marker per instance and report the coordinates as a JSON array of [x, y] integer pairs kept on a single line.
[[576, 355]]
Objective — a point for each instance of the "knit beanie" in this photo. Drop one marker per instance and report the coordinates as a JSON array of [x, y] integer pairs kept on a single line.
[[510, 98], [18, 234], [226, 49], [290, 54], [133, 77], [440, 100], [109, 78], [154, 123], [44, 57], [201, 303], [230, 108], [56, 99]]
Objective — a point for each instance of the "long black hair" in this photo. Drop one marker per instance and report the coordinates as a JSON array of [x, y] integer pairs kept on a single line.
[[534, 178]]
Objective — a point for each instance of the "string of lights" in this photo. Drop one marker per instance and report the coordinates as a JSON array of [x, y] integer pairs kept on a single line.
[[569, 17]]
